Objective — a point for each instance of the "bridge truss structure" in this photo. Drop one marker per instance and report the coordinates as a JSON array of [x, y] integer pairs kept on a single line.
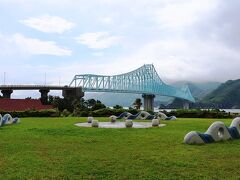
[[143, 80]]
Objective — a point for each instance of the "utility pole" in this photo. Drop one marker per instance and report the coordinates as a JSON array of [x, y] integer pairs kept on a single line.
[[45, 80], [4, 78]]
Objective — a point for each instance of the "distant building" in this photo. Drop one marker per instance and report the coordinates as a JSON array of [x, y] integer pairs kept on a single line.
[[11, 105]]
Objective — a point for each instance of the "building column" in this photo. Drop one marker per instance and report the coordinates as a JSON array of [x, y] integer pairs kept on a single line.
[[7, 93], [185, 105], [148, 100], [73, 93], [44, 95]]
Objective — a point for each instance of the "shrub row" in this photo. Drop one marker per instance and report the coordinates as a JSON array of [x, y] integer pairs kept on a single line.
[[106, 112], [198, 113], [33, 113]]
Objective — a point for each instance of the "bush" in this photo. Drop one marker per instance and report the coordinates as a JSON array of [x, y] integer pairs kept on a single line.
[[198, 113], [102, 112], [33, 113], [84, 114], [133, 111], [117, 107], [66, 113]]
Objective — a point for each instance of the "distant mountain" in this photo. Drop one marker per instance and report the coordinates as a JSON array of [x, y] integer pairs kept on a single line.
[[227, 95], [198, 90]]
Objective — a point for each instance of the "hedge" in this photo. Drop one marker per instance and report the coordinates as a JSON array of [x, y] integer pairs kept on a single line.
[[33, 113]]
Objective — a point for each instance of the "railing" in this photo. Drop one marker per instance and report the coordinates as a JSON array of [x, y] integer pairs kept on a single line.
[[29, 87]]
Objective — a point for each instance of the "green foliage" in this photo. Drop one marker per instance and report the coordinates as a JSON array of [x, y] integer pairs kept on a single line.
[[34, 113], [66, 113], [98, 105], [91, 103], [198, 113], [102, 112], [138, 103], [133, 111], [78, 107], [117, 107], [62, 103]]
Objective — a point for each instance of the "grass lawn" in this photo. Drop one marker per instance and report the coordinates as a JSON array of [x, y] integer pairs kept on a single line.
[[53, 148]]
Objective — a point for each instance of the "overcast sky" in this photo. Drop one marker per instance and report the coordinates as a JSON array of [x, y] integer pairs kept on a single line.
[[186, 40]]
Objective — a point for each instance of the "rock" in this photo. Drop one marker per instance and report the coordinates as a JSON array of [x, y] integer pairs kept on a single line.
[[113, 118], [90, 119], [193, 138], [95, 123], [155, 122], [128, 123], [218, 131]]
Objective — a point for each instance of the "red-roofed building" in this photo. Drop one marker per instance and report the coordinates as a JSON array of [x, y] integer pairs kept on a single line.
[[11, 105]]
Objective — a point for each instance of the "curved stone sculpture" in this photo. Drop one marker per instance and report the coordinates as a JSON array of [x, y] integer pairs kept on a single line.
[[95, 123], [7, 119], [163, 116], [234, 128], [143, 115], [113, 118], [16, 120], [90, 119], [133, 116], [155, 122], [193, 138], [171, 118], [128, 123], [218, 131], [124, 115], [0, 120], [215, 133]]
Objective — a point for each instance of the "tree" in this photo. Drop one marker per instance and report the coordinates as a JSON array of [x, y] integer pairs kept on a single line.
[[77, 107], [62, 103], [90, 103], [117, 107], [98, 105], [138, 103]]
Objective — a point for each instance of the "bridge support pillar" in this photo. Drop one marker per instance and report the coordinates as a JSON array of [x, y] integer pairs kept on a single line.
[[148, 100], [44, 95], [73, 93], [7, 93], [185, 105]]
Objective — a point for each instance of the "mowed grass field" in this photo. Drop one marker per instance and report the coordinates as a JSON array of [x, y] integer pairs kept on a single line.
[[53, 148]]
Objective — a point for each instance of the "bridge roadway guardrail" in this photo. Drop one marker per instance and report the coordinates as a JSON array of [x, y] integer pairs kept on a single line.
[[32, 87]]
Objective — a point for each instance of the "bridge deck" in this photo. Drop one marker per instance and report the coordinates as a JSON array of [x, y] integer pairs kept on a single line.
[[34, 87]]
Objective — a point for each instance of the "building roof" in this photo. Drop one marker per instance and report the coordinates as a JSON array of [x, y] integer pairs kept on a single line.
[[11, 105]]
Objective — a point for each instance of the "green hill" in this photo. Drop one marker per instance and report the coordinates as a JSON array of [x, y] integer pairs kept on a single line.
[[198, 90], [227, 95]]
